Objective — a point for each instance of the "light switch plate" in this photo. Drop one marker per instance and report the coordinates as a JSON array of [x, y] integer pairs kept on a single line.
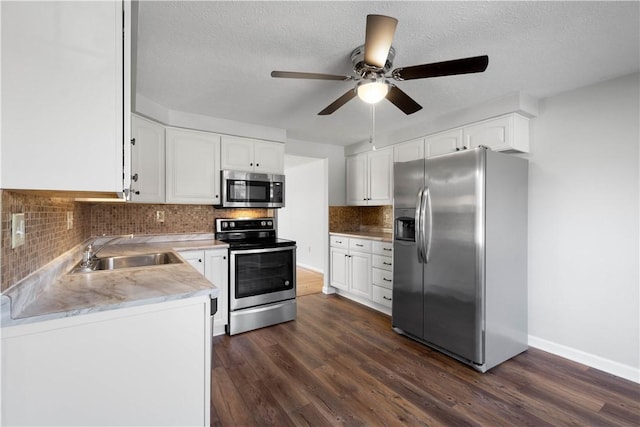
[[17, 230]]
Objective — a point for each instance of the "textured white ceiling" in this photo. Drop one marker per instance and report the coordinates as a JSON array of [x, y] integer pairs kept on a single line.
[[215, 57]]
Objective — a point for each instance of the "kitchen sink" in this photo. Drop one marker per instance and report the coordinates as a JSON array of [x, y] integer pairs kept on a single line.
[[128, 261]]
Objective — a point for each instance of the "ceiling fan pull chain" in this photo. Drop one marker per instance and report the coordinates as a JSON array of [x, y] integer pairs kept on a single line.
[[373, 127]]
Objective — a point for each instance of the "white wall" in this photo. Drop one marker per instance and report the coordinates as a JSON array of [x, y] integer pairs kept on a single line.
[[336, 165], [584, 300], [305, 216]]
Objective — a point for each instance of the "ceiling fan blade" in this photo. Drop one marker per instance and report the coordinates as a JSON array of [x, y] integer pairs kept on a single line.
[[316, 76], [348, 96], [403, 101], [378, 39], [476, 64]]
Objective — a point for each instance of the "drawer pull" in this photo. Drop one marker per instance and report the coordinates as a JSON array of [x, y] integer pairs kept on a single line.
[[386, 263], [387, 298], [359, 245], [386, 280], [387, 249]]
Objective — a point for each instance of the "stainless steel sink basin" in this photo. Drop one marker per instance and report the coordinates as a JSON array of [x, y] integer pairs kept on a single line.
[[128, 261]]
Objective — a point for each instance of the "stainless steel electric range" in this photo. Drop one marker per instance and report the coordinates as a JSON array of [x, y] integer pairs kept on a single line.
[[262, 274]]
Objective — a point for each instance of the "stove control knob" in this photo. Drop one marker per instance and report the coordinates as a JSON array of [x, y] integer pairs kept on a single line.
[[263, 223], [232, 224], [269, 223]]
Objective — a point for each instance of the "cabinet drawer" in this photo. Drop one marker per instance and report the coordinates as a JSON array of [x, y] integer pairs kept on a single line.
[[382, 296], [384, 262], [360, 245], [382, 278], [339, 242], [382, 248]]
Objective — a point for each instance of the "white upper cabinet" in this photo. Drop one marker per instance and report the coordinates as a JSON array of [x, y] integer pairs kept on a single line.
[[193, 167], [147, 161], [509, 132], [370, 178], [64, 96], [407, 151], [443, 143], [251, 155]]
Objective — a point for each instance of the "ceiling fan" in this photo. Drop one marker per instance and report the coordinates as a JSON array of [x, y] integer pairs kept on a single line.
[[373, 60]]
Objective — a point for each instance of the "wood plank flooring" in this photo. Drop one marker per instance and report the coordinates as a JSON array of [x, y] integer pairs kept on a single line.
[[308, 282], [339, 363]]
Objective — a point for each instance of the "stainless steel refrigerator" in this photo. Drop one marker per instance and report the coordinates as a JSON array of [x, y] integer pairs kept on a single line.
[[460, 254]]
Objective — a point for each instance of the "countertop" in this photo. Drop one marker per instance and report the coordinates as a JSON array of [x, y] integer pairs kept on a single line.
[[52, 292], [372, 235]]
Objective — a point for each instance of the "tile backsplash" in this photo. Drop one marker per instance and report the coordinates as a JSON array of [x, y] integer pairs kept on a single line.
[[360, 218], [47, 236]]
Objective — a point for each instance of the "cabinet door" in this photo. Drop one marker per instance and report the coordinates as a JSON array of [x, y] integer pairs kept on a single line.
[[380, 165], [357, 180], [236, 154], [407, 151], [360, 270], [443, 143], [216, 269], [339, 268], [196, 259], [62, 96], [503, 133], [193, 169], [269, 157], [147, 161]]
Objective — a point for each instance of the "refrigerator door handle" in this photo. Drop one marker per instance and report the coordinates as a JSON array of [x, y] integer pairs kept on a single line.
[[428, 219], [418, 225]]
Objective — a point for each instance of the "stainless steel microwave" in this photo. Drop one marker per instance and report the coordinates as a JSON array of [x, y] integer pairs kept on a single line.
[[252, 190]]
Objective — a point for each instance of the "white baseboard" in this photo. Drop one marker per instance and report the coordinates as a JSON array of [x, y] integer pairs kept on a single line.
[[308, 267], [615, 368]]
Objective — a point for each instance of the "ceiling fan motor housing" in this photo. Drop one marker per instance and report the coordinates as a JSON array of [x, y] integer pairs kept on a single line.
[[364, 70]]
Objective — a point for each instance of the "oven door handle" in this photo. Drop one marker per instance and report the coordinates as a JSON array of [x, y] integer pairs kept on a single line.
[[262, 250]]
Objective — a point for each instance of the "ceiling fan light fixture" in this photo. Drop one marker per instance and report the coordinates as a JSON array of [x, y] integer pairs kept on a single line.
[[373, 92]]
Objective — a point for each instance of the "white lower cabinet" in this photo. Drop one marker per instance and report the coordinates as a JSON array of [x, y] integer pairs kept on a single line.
[[214, 265], [144, 365], [361, 269]]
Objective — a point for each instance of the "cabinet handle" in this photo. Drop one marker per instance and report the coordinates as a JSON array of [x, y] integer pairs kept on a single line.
[[135, 191], [338, 241], [386, 263], [257, 165], [133, 141], [387, 249], [135, 177], [387, 298], [250, 164], [386, 280], [224, 257], [359, 245], [199, 260]]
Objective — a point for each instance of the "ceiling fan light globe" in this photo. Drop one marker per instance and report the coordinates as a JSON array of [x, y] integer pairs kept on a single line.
[[373, 92]]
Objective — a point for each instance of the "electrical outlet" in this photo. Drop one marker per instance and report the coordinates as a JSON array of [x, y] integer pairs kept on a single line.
[[69, 220], [17, 230], [159, 216]]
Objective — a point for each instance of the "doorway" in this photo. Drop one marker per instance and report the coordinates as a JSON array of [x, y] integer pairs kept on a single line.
[[305, 218]]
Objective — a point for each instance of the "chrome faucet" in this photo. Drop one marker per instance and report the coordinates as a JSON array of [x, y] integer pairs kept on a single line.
[[89, 255]]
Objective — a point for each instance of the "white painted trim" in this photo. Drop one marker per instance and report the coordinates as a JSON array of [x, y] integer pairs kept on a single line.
[[612, 367]]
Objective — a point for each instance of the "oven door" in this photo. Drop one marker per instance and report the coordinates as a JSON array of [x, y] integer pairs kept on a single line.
[[261, 276]]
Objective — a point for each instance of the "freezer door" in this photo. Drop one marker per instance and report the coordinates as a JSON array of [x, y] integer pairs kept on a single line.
[[406, 310], [408, 179], [453, 274]]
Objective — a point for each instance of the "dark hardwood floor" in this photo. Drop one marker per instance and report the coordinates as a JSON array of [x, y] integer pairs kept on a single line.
[[339, 363]]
